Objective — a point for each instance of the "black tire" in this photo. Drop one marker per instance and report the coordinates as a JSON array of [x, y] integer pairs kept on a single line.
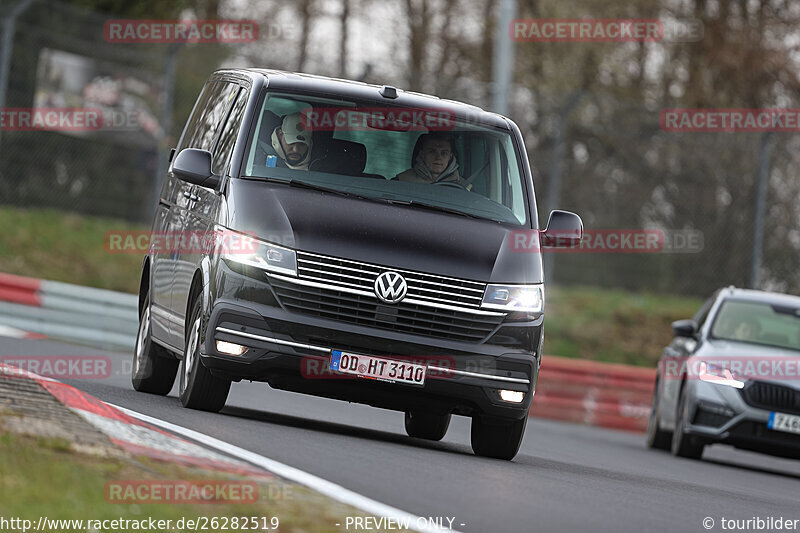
[[154, 368], [657, 438], [430, 426], [199, 389], [496, 438], [684, 445]]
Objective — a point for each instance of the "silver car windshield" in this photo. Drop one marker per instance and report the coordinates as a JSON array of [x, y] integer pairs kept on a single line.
[[421, 157], [758, 323]]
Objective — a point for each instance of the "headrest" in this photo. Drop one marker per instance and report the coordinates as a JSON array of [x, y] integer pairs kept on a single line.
[[346, 157], [269, 121]]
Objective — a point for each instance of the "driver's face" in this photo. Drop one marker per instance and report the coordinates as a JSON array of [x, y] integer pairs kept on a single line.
[[295, 152], [745, 331], [436, 154]]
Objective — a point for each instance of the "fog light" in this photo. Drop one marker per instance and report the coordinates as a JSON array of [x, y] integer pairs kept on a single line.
[[511, 396], [230, 348]]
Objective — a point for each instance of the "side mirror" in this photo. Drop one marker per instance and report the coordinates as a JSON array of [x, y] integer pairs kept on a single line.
[[684, 328], [194, 166], [564, 230]]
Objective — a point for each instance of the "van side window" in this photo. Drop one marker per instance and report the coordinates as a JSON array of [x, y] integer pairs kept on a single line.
[[222, 153], [206, 122]]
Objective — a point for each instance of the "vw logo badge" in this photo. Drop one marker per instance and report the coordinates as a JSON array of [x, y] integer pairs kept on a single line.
[[390, 287]]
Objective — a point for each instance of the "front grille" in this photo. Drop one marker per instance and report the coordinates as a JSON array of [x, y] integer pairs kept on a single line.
[[369, 311], [355, 275], [772, 397]]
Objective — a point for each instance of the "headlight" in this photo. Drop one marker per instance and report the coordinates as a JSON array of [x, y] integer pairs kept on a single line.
[[718, 374], [523, 298], [259, 254]]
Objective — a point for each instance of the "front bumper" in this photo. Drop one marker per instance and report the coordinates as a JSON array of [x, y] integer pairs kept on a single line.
[[721, 416], [291, 351]]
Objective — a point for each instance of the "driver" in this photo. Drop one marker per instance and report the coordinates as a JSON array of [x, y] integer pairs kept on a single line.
[[435, 163], [747, 330], [294, 143]]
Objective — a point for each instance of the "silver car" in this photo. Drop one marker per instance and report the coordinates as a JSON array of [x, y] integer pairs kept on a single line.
[[731, 376]]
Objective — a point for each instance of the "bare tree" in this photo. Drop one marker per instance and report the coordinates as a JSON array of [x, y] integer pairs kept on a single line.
[[305, 12], [344, 18], [418, 13]]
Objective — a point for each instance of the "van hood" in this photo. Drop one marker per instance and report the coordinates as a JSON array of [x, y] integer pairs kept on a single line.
[[398, 236]]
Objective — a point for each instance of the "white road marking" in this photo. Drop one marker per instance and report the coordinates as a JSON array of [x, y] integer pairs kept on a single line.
[[323, 486]]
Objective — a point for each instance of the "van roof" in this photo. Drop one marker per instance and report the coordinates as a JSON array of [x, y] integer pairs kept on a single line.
[[359, 90]]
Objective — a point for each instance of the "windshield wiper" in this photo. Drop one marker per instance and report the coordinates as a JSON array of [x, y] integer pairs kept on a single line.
[[433, 207], [313, 187], [381, 199]]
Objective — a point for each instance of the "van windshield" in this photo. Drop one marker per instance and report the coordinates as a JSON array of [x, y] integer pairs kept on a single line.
[[421, 157]]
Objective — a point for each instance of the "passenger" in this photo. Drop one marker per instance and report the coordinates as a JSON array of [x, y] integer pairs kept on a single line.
[[293, 143], [435, 162]]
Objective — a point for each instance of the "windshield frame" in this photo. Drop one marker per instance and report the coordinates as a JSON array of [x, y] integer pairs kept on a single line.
[[523, 166]]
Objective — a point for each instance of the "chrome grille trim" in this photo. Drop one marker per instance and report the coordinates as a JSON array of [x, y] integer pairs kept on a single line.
[[371, 294], [422, 287]]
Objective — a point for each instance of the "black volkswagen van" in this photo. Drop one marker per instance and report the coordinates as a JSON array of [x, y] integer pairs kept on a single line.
[[350, 241]]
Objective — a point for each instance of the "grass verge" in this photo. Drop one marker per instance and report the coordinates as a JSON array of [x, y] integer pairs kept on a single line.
[[60, 246], [41, 477], [612, 325]]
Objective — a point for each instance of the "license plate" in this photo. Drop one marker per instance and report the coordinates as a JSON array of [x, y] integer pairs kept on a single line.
[[784, 422], [379, 368]]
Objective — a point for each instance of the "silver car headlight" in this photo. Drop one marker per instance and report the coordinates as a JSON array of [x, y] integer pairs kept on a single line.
[[260, 254], [511, 298], [718, 374]]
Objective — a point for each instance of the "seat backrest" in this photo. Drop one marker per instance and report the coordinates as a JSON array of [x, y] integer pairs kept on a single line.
[[417, 148], [269, 121], [344, 157]]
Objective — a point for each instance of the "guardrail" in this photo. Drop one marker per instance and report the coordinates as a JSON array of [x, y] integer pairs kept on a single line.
[[590, 392], [99, 317]]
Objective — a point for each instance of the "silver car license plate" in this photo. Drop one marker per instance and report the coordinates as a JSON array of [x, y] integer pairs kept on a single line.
[[784, 422]]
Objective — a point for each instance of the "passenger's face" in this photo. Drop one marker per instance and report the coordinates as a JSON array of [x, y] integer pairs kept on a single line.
[[295, 152], [436, 155]]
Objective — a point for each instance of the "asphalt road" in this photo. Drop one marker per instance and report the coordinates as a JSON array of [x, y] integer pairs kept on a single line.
[[565, 478]]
